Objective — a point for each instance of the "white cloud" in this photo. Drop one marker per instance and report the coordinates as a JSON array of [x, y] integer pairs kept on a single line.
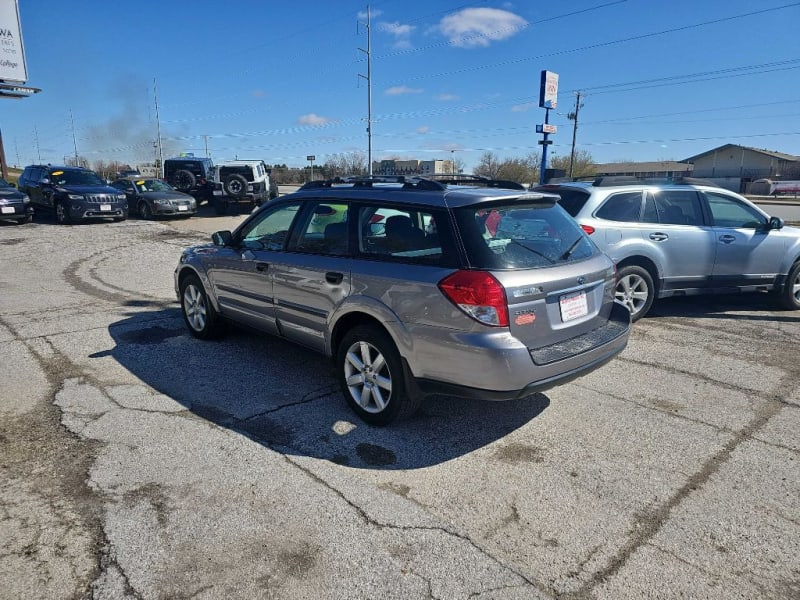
[[401, 33], [362, 14], [424, 129], [523, 107], [313, 119], [473, 27], [447, 97], [399, 90]]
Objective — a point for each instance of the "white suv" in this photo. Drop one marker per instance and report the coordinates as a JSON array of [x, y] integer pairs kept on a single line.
[[241, 181]]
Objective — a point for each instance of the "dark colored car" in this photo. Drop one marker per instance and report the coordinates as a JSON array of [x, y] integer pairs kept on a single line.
[[191, 175], [149, 197], [14, 205], [72, 193], [414, 287]]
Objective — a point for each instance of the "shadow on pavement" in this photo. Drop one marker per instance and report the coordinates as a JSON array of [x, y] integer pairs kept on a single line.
[[757, 306], [287, 398]]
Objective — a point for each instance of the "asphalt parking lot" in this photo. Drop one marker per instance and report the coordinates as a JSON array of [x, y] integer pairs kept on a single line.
[[138, 462]]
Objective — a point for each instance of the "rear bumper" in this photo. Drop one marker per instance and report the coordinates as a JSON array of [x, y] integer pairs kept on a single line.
[[15, 211], [510, 373]]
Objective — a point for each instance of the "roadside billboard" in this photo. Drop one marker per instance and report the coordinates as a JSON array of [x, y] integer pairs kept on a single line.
[[12, 54]]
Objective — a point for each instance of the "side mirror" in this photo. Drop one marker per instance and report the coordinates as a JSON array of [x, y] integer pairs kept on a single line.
[[221, 238], [44, 180], [775, 223]]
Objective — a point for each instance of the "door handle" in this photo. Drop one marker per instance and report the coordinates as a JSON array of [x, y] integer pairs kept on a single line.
[[262, 267], [334, 277], [659, 237], [727, 238]]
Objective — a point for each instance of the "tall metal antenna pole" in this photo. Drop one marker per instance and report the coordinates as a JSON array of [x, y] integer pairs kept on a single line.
[[205, 137], [36, 139], [573, 116], [74, 141], [368, 77], [16, 149], [158, 130]]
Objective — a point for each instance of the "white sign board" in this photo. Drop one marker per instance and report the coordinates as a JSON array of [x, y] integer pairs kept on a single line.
[[12, 55], [548, 90]]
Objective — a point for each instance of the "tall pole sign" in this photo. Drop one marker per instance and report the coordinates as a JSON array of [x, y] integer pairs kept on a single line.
[[12, 53], [548, 99], [13, 71]]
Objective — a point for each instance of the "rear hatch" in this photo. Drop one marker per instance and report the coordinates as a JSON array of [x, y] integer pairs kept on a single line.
[[558, 285]]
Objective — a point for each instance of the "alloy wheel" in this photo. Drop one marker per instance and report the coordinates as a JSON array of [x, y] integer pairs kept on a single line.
[[368, 378], [632, 291], [195, 307]]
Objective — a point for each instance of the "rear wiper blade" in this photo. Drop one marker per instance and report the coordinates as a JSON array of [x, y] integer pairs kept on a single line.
[[571, 249]]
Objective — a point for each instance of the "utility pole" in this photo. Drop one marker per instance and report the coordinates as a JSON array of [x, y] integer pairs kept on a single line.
[[74, 141], [16, 150], [573, 116], [205, 138], [3, 166], [36, 139], [368, 77], [160, 164]]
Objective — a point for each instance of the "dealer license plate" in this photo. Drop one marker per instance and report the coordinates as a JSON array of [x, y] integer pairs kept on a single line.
[[573, 306], [104, 207], [182, 207], [7, 210]]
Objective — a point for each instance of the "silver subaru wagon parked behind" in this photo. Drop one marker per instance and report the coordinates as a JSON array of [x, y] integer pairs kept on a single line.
[[684, 237], [414, 287]]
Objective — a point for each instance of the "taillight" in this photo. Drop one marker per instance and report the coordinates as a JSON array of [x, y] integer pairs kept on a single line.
[[479, 295], [588, 229]]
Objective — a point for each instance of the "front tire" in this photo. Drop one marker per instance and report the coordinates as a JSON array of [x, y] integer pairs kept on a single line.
[[790, 294], [370, 373], [62, 214], [199, 314], [635, 290], [144, 210]]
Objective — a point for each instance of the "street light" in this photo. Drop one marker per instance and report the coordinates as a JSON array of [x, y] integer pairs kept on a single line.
[[453, 162], [310, 158]]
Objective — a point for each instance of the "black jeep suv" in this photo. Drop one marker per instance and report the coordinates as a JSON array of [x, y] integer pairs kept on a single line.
[[191, 175], [72, 193]]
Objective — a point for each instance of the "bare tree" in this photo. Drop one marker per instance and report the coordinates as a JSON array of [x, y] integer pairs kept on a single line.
[[345, 163], [521, 170], [583, 166]]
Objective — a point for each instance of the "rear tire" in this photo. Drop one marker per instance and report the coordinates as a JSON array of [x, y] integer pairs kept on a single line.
[[199, 314], [790, 294], [371, 375], [635, 290]]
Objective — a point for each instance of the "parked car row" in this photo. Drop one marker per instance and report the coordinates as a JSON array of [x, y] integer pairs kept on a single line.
[[75, 194]]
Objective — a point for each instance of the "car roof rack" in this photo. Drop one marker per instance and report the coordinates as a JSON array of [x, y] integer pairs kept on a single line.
[[612, 180], [478, 180], [408, 183]]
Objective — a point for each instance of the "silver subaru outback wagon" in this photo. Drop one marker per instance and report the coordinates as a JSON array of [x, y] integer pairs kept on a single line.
[[414, 287], [684, 238]]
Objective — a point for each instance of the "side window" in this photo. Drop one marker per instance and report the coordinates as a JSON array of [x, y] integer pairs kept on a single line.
[[730, 212], [323, 229], [400, 234], [678, 207], [625, 207], [270, 230]]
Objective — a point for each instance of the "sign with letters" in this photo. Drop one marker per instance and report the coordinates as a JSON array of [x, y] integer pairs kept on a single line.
[[548, 90], [12, 54]]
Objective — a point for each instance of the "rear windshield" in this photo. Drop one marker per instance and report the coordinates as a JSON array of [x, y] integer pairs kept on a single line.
[[521, 236], [571, 199]]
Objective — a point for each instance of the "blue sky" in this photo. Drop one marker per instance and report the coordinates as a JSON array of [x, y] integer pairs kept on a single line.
[[283, 80]]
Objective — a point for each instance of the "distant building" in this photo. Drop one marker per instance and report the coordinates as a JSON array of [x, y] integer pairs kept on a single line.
[[411, 167], [736, 167], [661, 169]]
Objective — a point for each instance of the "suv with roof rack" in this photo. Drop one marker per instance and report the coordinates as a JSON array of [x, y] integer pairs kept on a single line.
[[684, 237], [414, 287]]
